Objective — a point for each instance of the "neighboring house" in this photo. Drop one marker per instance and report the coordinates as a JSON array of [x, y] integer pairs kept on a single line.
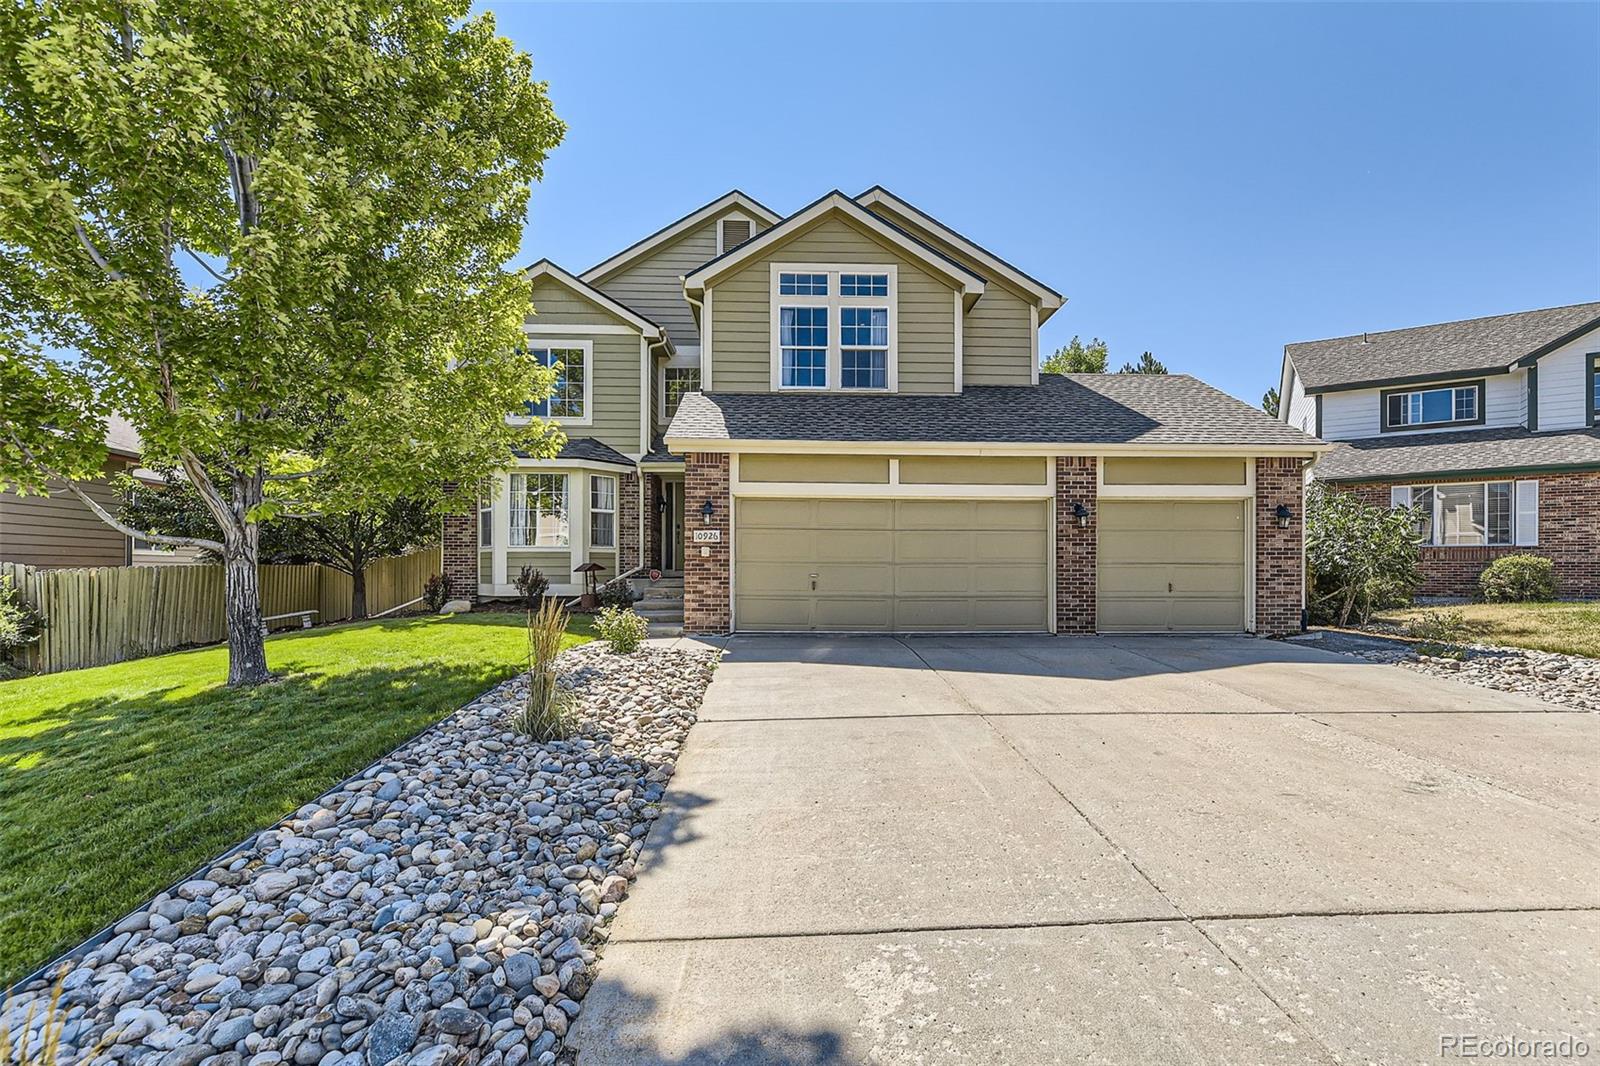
[[1488, 425], [834, 420], [59, 530]]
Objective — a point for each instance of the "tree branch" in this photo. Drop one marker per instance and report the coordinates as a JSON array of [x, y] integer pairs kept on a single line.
[[224, 278], [295, 476], [94, 253]]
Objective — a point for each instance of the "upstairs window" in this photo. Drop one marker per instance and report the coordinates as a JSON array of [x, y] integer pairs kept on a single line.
[[1450, 405], [1594, 389], [833, 328], [675, 381], [569, 399]]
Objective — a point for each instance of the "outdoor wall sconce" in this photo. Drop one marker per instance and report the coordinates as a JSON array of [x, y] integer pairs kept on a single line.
[[1081, 513], [708, 509], [1284, 514]]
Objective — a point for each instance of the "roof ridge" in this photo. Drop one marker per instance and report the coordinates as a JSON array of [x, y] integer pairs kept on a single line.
[[1447, 322]]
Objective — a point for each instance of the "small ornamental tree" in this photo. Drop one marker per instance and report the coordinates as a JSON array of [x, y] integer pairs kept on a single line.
[[271, 234], [1358, 557]]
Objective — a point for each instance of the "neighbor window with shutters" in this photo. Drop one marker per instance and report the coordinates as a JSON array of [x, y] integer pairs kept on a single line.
[[732, 232], [1594, 389], [602, 511], [675, 381], [1473, 513], [538, 505], [834, 328], [1452, 405], [569, 399]]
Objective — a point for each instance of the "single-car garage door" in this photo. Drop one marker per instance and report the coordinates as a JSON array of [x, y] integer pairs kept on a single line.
[[1171, 566], [891, 565]]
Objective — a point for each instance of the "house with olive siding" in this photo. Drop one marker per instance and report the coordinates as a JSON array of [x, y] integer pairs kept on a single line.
[[1486, 426], [834, 420]]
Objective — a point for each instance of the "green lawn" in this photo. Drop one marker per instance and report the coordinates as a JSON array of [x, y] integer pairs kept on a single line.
[[116, 781], [1569, 628]]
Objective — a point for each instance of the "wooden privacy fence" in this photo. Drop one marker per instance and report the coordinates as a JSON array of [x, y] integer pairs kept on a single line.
[[108, 614]]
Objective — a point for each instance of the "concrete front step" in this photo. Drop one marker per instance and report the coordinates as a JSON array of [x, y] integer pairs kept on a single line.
[[666, 629]]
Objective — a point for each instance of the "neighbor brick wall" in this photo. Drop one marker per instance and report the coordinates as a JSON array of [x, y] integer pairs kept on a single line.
[[459, 540], [1279, 552], [706, 609], [628, 515], [1076, 482], [1569, 536]]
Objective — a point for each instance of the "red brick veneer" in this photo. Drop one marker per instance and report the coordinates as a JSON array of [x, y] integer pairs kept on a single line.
[[459, 550], [1076, 482], [1280, 555], [706, 608], [1569, 535], [628, 523]]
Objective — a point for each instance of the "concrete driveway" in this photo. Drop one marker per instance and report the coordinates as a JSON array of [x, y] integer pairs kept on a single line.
[[1145, 850]]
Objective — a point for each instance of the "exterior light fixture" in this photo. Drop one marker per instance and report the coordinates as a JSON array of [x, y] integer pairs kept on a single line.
[[1081, 513], [708, 509], [1284, 515]]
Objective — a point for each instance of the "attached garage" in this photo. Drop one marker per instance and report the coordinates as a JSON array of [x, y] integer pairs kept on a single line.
[[891, 565], [1171, 566]]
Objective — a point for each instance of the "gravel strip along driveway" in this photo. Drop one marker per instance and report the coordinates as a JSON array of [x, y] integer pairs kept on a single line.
[[443, 907]]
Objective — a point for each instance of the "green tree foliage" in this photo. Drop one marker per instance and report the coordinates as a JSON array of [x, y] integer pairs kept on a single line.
[[1269, 402], [1147, 364], [1359, 557], [1077, 358], [272, 233]]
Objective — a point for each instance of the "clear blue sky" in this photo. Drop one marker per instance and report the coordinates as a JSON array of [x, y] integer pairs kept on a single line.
[[1207, 182]]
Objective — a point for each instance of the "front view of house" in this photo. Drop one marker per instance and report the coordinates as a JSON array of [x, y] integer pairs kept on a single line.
[[835, 421]]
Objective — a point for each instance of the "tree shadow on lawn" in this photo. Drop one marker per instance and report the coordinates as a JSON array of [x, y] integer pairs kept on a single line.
[[107, 799]]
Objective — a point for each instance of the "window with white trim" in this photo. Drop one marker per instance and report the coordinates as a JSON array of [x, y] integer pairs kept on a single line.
[[834, 328], [675, 381], [539, 511], [485, 523], [602, 511], [1473, 513], [1451, 405], [570, 397]]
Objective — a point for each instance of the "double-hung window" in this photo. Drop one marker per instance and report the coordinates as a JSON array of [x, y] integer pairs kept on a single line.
[[538, 505], [602, 511], [569, 399], [1473, 513], [675, 382], [1451, 405], [833, 327], [485, 523]]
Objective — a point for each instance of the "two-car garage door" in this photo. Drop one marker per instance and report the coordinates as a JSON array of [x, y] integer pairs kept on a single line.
[[891, 565]]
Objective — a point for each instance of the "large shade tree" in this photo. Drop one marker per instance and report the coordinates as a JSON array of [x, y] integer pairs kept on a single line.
[[226, 219]]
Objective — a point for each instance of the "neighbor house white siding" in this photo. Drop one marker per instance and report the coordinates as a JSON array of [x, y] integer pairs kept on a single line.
[[1356, 413], [1302, 409], [1563, 375]]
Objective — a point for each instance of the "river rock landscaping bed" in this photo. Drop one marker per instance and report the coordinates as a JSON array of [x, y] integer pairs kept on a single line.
[[442, 908], [1564, 680]]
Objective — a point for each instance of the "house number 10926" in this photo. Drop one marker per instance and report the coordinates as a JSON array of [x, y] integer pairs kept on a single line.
[[708, 536]]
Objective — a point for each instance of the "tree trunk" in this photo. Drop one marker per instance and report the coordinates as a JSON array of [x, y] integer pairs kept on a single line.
[[247, 644], [358, 593]]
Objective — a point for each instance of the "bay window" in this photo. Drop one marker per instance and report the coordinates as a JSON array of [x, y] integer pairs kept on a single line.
[[602, 511], [833, 328], [538, 505], [1473, 513], [1450, 405]]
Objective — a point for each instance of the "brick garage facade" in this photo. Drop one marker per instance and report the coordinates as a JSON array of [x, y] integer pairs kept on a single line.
[[1569, 535], [1280, 555], [706, 587], [459, 542], [1076, 481]]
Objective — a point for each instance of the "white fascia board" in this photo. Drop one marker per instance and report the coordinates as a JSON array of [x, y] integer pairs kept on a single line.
[[640, 249], [809, 447], [1048, 298], [544, 268], [696, 280]]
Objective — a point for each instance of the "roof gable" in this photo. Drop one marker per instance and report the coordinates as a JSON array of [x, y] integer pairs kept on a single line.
[[835, 203], [1475, 346], [1047, 298], [728, 201], [545, 269]]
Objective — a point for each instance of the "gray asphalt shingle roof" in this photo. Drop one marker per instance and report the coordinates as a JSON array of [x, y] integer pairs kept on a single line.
[[1473, 450], [1061, 409], [589, 449], [1468, 346]]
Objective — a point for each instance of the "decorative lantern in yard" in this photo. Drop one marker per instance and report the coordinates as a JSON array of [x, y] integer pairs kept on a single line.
[[591, 585]]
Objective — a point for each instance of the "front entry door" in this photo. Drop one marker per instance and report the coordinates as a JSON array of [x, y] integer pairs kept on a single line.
[[672, 526]]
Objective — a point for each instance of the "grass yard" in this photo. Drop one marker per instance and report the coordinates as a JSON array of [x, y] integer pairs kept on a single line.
[[117, 780], [1569, 628]]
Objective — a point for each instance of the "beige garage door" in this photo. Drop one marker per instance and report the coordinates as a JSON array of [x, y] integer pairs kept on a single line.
[[1171, 566], [891, 565]]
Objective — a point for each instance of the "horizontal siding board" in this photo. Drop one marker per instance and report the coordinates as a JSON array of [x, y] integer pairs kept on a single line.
[[614, 377], [59, 529]]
